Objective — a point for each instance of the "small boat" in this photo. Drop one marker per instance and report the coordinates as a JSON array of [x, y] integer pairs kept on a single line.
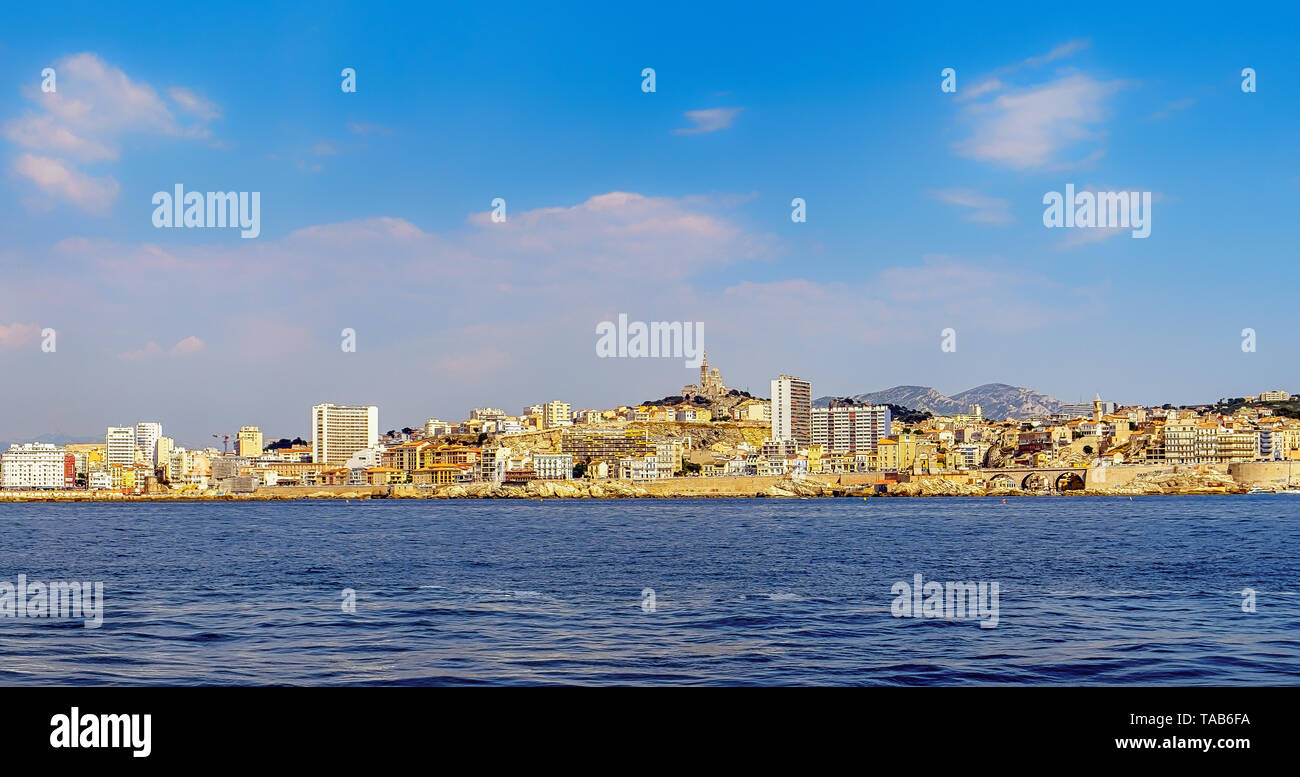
[[1260, 491]]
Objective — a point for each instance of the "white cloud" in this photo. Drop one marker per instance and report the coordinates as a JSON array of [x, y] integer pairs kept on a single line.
[[194, 104], [708, 120], [188, 346], [17, 335], [983, 209], [58, 179], [152, 350], [1033, 127], [86, 120]]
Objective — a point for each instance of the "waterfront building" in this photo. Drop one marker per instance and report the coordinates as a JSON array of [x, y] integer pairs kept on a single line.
[[338, 431], [119, 444], [553, 466], [146, 441], [407, 457], [639, 468], [166, 446], [792, 410], [607, 445], [249, 442], [37, 465], [845, 426]]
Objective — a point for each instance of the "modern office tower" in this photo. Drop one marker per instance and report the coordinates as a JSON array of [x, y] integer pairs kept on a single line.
[[146, 441], [338, 431], [845, 427], [792, 410], [119, 445], [249, 442]]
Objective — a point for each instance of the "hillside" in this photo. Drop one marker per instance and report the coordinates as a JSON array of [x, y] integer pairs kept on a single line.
[[998, 400]]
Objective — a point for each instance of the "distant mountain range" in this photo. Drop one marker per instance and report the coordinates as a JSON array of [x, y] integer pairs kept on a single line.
[[996, 400]]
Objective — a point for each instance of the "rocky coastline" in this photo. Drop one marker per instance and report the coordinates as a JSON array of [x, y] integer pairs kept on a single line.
[[1148, 484]]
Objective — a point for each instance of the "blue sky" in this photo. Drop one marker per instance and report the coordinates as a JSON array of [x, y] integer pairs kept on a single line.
[[924, 208]]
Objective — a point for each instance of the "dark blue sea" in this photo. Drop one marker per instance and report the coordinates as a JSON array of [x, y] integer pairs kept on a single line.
[[1093, 591]]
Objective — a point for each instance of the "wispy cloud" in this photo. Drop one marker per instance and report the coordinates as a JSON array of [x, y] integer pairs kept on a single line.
[[61, 180], [87, 119], [1059, 52], [983, 209], [1171, 108], [152, 350], [367, 128], [994, 81], [17, 335], [1082, 236], [194, 104], [708, 120], [1033, 127]]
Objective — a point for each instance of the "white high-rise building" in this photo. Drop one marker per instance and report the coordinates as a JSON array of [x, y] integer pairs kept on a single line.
[[338, 431], [34, 465], [146, 440], [792, 410], [119, 445], [843, 428]]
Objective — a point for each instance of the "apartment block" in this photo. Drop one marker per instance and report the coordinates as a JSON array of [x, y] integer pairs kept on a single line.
[[792, 409], [845, 427], [37, 465], [249, 441], [338, 431], [119, 445]]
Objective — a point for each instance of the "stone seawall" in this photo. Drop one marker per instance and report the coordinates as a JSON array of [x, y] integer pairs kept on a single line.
[[1259, 474]]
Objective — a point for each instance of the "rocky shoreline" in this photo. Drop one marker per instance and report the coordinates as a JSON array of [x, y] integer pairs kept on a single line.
[[1152, 484]]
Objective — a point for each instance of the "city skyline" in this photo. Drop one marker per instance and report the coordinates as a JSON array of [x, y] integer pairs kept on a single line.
[[924, 209]]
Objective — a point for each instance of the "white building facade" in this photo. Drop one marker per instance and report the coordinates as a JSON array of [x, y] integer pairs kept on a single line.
[[338, 431], [792, 410], [33, 465]]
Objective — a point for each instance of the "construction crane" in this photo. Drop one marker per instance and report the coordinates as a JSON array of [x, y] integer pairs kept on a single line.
[[225, 443]]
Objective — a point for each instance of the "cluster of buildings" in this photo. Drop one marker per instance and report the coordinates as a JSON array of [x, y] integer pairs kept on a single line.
[[712, 431]]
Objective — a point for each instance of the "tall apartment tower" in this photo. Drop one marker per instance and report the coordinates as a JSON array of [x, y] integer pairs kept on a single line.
[[792, 410], [146, 440], [338, 431], [119, 445], [249, 442]]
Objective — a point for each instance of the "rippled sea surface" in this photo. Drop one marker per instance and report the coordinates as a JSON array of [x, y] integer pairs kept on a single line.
[[746, 591]]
